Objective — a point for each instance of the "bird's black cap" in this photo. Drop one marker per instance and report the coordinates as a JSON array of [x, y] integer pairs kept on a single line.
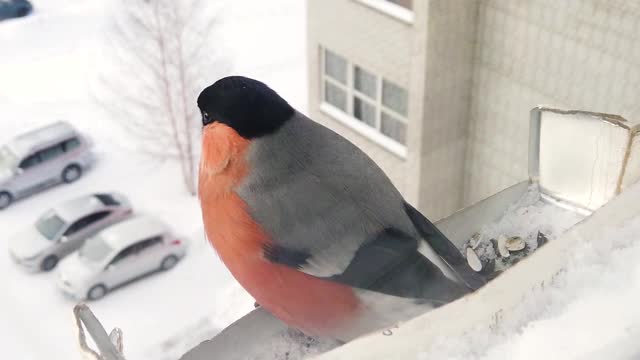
[[246, 105]]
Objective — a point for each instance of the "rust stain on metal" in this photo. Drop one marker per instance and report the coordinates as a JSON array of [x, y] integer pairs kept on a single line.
[[611, 118], [625, 160]]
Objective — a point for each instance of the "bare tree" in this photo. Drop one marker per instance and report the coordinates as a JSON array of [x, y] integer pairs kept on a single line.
[[164, 52]]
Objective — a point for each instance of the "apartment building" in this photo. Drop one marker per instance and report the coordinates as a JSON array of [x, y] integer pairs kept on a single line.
[[438, 92]]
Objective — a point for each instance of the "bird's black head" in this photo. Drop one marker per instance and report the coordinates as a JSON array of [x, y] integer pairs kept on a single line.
[[248, 106]]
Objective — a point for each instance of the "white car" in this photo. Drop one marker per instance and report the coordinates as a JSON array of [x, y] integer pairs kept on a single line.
[[118, 255], [64, 228]]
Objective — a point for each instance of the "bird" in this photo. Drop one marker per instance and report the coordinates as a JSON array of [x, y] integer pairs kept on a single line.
[[310, 225]]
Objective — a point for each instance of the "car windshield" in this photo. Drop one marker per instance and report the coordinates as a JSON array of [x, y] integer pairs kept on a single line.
[[7, 158], [95, 249], [107, 199], [49, 225]]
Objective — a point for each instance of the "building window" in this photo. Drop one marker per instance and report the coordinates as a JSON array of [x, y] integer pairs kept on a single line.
[[365, 98], [336, 67], [335, 96]]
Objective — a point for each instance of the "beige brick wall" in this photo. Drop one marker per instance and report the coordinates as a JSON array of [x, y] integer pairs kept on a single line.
[[570, 54], [435, 53], [450, 35], [377, 42], [474, 68]]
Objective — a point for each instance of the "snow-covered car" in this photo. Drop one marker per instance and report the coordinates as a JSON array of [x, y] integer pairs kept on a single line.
[[124, 252], [64, 228], [14, 8], [40, 158]]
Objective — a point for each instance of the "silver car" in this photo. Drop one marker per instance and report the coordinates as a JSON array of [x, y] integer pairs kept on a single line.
[[40, 158], [64, 229], [118, 255]]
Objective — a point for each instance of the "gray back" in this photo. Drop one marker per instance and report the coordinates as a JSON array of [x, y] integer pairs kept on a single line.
[[314, 191]]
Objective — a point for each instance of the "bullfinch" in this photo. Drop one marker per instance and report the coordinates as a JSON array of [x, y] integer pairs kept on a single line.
[[309, 225]]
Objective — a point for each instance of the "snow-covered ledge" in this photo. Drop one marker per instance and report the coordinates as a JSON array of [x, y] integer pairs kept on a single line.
[[499, 301]]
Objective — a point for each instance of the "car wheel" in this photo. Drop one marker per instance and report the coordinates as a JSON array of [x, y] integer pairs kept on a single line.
[[49, 263], [71, 173], [168, 262], [5, 199], [97, 292]]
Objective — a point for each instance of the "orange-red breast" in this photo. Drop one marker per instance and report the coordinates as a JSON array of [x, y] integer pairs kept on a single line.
[[309, 225]]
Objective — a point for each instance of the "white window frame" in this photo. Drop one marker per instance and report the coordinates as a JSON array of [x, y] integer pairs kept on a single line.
[[347, 119]]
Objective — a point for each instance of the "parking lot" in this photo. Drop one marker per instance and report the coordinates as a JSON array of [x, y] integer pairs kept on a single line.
[[147, 309], [198, 293]]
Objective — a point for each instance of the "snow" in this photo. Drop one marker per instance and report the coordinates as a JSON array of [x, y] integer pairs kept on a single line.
[[48, 66], [295, 345], [589, 312], [525, 218]]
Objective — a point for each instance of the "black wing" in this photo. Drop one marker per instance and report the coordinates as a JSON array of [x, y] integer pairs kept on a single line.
[[390, 264], [444, 248]]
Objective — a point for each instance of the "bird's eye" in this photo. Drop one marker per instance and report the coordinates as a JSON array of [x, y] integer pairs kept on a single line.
[[205, 118]]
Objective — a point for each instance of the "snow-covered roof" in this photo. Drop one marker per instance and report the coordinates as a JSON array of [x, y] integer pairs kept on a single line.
[[132, 230], [26, 142], [76, 208]]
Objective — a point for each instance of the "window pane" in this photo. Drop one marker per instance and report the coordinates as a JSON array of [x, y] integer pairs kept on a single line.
[[393, 128], [335, 66], [365, 82], [364, 111], [106, 199], [50, 153], [71, 144], [335, 96], [50, 225], [96, 217], [404, 3], [29, 162], [394, 97]]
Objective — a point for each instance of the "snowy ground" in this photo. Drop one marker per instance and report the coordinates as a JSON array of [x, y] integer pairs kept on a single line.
[[590, 312], [47, 66]]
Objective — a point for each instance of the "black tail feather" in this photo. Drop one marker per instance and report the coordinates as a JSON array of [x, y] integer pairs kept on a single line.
[[445, 249]]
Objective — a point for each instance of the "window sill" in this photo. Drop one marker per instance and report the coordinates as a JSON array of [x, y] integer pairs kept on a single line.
[[393, 10], [388, 144]]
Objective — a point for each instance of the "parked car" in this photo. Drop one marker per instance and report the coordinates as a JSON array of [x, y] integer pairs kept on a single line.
[[118, 255], [14, 8], [40, 158], [64, 229]]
